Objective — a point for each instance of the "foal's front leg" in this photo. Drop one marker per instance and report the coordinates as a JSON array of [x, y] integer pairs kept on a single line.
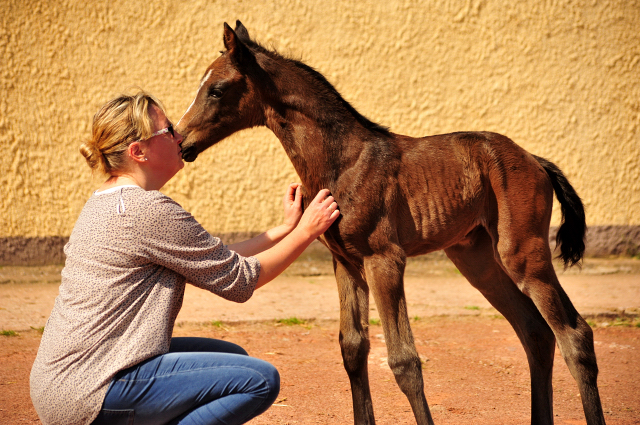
[[354, 338], [384, 273]]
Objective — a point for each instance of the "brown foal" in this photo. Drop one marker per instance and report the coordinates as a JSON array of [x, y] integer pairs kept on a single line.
[[478, 196]]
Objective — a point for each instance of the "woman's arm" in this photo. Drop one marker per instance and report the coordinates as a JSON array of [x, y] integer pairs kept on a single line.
[[317, 218], [292, 212], [260, 243], [175, 240]]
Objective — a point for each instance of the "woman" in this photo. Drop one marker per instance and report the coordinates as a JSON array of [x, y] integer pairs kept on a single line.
[[107, 355]]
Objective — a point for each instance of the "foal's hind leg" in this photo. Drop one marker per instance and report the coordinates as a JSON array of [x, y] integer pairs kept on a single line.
[[354, 338], [385, 277], [526, 258], [474, 258]]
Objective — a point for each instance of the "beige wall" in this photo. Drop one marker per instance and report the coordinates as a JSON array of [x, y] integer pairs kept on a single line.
[[559, 77]]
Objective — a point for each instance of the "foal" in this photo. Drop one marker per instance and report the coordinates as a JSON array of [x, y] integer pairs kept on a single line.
[[479, 196]]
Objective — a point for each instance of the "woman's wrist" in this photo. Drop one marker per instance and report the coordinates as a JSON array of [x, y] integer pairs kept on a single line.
[[288, 227], [276, 259], [280, 232]]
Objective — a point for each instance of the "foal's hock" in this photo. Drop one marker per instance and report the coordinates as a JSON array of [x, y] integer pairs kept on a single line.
[[478, 196]]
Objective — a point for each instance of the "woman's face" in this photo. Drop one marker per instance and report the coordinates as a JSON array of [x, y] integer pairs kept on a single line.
[[163, 152]]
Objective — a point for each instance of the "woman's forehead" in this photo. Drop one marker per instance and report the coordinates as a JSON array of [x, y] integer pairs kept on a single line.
[[157, 115]]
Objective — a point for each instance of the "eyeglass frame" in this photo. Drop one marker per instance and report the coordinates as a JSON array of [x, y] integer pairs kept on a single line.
[[169, 129]]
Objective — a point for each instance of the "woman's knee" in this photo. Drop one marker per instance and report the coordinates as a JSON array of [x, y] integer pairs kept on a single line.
[[271, 385], [270, 378], [274, 382]]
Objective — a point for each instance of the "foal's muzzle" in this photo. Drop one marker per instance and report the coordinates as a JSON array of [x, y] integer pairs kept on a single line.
[[189, 153]]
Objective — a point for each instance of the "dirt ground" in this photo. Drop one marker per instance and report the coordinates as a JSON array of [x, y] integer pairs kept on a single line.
[[474, 367]]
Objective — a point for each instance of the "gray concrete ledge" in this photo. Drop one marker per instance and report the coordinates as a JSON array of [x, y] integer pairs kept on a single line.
[[22, 251]]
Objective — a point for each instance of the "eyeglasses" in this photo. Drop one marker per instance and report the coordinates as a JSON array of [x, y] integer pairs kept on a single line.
[[163, 131]]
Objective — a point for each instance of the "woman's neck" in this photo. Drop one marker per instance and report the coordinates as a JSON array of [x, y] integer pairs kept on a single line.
[[120, 180]]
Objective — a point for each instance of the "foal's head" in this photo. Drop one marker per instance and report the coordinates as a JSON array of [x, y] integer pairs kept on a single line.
[[227, 100], [247, 83]]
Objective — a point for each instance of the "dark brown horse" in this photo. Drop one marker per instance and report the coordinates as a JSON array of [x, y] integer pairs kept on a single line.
[[479, 196]]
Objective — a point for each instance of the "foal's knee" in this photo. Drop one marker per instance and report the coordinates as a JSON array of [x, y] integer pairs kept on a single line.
[[355, 350], [407, 369]]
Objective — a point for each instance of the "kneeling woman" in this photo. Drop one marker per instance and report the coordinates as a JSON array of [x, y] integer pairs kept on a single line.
[[107, 355]]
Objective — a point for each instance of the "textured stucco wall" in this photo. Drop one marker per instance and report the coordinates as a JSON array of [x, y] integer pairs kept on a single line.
[[559, 77]]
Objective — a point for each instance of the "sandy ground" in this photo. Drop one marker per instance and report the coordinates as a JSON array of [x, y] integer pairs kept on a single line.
[[475, 369], [308, 291]]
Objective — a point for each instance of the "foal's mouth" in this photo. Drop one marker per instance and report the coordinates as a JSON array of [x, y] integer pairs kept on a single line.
[[189, 153]]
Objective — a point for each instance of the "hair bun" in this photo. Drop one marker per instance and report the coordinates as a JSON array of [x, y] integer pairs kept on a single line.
[[93, 155]]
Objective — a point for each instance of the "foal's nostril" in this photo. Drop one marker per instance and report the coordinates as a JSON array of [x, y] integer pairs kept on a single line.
[[189, 153]]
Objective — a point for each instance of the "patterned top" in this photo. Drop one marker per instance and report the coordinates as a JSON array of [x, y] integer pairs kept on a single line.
[[128, 258]]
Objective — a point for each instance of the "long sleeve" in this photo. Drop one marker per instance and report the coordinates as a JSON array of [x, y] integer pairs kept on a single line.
[[175, 240]]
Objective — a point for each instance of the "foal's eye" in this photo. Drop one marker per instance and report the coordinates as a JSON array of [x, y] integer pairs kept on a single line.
[[216, 93]]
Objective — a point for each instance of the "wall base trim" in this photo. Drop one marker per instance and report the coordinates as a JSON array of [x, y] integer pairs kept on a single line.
[[602, 241]]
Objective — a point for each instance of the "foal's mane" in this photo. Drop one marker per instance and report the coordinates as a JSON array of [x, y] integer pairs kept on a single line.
[[321, 81]]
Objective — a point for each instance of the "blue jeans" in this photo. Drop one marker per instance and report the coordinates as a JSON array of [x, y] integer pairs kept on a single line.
[[199, 381]]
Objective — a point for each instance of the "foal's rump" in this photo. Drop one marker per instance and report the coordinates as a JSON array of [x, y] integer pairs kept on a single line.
[[524, 185]]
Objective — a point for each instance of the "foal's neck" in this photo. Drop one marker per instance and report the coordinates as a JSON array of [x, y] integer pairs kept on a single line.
[[317, 153], [321, 136]]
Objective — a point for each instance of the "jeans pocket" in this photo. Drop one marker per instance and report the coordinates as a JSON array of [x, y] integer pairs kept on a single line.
[[115, 417]]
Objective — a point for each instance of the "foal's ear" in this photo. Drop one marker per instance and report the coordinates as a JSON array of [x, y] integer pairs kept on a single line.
[[229, 37], [242, 32], [238, 52]]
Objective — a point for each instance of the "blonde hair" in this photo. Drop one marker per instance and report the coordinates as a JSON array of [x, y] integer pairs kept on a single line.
[[119, 122]]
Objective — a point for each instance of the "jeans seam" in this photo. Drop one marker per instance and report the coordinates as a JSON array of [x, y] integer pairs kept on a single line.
[[192, 370]]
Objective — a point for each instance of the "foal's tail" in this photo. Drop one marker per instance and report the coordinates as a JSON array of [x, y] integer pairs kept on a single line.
[[571, 234]]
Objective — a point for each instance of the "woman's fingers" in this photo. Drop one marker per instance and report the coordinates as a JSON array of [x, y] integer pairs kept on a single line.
[[298, 195], [325, 199], [322, 195], [293, 197], [327, 208], [330, 202], [335, 211], [331, 206], [292, 192], [322, 212], [292, 205]]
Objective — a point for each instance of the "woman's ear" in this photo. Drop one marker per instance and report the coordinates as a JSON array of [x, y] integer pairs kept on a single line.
[[135, 152]]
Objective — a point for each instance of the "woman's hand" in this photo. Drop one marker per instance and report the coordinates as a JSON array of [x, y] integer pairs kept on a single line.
[[320, 214], [317, 218], [292, 206], [301, 229]]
